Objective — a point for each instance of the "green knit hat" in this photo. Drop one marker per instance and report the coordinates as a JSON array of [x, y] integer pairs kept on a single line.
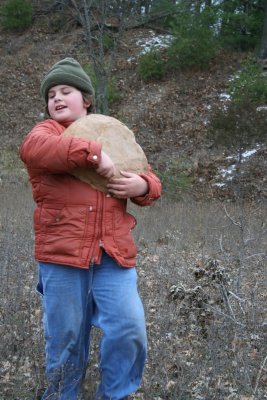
[[67, 72]]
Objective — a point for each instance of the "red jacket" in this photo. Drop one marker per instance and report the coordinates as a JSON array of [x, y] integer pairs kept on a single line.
[[73, 221]]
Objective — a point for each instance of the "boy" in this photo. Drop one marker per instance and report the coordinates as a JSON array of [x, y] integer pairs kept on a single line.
[[83, 244]]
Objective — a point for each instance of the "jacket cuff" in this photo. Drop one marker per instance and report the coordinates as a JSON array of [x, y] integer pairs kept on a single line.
[[94, 153], [154, 191]]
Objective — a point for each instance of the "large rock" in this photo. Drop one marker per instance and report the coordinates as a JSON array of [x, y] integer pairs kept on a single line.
[[118, 142]]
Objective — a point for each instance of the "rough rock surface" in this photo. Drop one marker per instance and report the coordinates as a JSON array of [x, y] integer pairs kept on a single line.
[[118, 142]]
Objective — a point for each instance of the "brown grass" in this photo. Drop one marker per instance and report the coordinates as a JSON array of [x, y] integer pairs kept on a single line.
[[203, 281]]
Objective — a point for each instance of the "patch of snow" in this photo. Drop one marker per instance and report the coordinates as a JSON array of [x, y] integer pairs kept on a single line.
[[261, 108], [245, 154], [225, 96], [219, 184], [227, 173], [249, 153], [155, 41], [169, 335], [234, 77]]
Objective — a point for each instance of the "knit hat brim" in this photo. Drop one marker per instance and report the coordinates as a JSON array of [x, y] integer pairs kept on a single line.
[[67, 72]]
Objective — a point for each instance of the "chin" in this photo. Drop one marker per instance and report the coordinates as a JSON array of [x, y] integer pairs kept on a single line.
[[64, 119]]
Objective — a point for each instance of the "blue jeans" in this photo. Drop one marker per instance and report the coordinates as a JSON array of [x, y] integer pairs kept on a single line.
[[73, 301]]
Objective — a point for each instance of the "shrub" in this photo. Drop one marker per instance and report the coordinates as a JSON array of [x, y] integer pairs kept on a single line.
[[249, 83], [151, 65], [241, 30], [114, 94], [238, 126], [242, 123], [191, 52], [176, 179], [16, 14], [167, 7], [195, 43], [108, 41]]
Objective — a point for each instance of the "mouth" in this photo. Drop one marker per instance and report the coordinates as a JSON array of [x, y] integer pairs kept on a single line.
[[58, 108]]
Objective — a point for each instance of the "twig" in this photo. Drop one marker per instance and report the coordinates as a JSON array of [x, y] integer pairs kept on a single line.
[[255, 255], [235, 296], [224, 291], [239, 301], [259, 375], [226, 315], [231, 218], [221, 245]]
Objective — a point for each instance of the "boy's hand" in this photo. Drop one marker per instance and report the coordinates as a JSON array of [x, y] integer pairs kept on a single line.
[[106, 166], [127, 186]]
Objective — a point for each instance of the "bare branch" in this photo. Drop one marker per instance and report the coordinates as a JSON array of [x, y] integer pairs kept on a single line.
[[259, 375], [255, 255], [231, 219]]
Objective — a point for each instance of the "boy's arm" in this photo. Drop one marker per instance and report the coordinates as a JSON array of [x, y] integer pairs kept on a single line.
[[46, 150], [154, 189], [142, 189]]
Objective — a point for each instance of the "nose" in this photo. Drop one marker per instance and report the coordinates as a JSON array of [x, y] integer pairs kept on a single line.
[[57, 98]]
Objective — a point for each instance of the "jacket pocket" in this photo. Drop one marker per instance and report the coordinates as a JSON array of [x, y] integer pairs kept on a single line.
[[63, 230], [67, 221], [123, 224]]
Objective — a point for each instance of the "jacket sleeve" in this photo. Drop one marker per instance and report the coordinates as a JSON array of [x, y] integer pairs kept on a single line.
[[46, 150], [154, 189]]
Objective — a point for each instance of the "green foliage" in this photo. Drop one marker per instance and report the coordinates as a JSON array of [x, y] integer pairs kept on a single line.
[[90, 71], [242, 123], [166, 7], [151, 65], [159, 6], [238, 126], [195, 43], [241, 24], [113, 92], [175, 178], [16, 14], [199, 30], [108, 40], [249, 83]]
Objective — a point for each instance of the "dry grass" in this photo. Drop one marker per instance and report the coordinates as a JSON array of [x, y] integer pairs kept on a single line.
[[203, 281]]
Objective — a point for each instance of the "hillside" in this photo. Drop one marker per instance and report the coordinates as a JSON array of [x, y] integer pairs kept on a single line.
[[168, 117], [201, 261]]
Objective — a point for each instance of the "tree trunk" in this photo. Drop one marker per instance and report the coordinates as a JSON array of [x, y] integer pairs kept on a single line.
[[263, 48], [94, 18]]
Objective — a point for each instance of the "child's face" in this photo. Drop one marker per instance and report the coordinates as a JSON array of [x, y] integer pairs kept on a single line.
[[66, 103]]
